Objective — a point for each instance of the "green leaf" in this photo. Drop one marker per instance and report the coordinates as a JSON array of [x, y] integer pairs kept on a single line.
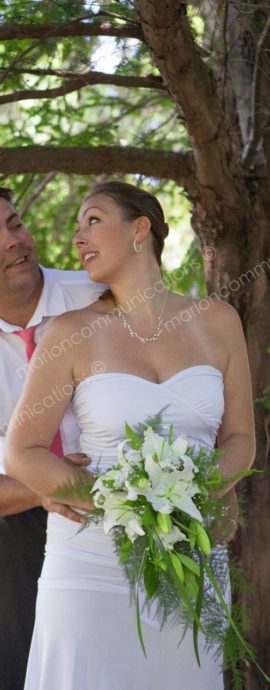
[[171, 434], [138, 614], [199, 603], [150, 578], [226, 609], [189, 563], [177, 565], [149, 516], [125, 550], [134, 439], [177, 582], [191, 584]]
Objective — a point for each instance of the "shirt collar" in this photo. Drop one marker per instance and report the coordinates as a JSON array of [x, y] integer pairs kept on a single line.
[[51, 303]]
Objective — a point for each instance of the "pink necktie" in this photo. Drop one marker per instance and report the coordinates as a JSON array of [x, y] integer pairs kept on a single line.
[[27, 336]]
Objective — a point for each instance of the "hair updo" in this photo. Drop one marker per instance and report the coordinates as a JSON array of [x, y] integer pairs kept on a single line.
[[135, 202]]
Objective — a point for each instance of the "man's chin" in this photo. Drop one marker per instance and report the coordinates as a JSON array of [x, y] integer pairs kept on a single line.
[[23, 275]]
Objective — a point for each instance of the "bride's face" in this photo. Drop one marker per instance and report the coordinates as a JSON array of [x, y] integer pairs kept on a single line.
[[104, 240]]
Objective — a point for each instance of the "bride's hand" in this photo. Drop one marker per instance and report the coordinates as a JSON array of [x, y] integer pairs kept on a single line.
[[224, 528]]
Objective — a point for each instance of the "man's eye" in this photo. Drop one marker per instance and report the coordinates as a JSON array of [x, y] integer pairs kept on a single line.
[[16, 226]]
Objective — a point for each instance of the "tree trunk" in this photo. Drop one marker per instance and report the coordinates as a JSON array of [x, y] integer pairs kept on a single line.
[[249, 292]]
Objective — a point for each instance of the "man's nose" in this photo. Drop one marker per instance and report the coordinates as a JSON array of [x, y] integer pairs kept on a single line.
[[9, 239]]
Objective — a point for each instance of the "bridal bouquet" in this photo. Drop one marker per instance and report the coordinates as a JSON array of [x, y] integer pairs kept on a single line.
[[157, 502]]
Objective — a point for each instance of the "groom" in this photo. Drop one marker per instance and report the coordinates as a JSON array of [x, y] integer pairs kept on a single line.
[[30, 296]]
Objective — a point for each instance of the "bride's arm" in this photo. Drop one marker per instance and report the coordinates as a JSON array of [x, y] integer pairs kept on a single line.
[[236, 435], [37, 417]]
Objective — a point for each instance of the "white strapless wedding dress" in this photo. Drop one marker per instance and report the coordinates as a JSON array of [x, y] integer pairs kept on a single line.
[[85, 635]]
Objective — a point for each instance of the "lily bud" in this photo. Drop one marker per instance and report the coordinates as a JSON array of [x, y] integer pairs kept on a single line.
[[177, 565], [202, 539], [164, 522]]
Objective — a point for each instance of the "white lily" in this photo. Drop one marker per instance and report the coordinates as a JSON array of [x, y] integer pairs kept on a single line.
[[170, 491], [99, 487], [116, 513], [168, 540], [127, 456], [168, 456], [132, 494], [154, 444], [118, 476]]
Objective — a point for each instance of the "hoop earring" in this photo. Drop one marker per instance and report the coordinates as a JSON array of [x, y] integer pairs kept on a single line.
[[137, 247]]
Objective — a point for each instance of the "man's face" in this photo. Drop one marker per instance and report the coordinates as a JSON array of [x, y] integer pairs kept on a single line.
[[18, 254]]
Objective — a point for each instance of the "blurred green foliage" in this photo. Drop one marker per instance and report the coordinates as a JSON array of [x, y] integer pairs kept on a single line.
[[94, 115]]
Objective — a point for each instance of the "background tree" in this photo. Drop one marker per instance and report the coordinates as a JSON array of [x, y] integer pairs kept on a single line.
[[186, 106]]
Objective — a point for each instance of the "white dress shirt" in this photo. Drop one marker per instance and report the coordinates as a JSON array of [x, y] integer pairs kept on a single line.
[[62, 291]]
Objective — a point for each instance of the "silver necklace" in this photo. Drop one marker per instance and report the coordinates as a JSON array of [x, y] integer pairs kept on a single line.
[[146, 339]]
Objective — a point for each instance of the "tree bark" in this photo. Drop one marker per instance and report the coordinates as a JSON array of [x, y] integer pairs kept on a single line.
[[248, 275], [10, 32], [70, 85], [85, 160]]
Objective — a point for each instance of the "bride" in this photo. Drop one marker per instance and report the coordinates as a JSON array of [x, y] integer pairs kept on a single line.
[[138, 349]]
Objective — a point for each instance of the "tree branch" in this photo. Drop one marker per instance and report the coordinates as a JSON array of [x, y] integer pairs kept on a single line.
[[169, 37], [88, 160], [255, 132], [81, 80], [9, 32], [36, 193]]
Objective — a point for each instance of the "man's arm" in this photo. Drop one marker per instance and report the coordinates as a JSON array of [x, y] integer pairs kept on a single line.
[[15, 497]]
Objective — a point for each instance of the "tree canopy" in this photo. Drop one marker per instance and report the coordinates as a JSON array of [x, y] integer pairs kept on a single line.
[[173, 95]]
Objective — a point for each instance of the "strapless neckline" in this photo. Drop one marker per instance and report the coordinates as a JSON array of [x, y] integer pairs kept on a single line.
[[181, 372]]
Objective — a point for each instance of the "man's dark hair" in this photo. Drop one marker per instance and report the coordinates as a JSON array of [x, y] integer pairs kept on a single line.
[[6, 193]]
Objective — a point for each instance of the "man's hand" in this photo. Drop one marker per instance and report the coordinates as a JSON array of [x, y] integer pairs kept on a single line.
[[52, 506]]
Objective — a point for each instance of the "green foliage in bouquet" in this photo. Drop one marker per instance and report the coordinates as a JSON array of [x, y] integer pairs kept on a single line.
[[158, 502]]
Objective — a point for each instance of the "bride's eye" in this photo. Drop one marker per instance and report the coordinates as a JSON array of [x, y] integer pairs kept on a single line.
[[92, 219]]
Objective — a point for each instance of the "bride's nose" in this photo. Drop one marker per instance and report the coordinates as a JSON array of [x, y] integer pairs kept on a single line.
[[78, 239]]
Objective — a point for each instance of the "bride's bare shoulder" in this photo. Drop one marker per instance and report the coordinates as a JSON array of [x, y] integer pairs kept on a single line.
[[72, 321]]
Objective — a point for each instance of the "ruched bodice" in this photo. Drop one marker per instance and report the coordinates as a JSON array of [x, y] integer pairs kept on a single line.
[[192, 398]]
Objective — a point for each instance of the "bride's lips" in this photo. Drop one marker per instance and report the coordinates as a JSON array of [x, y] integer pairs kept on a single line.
[[88, 257]]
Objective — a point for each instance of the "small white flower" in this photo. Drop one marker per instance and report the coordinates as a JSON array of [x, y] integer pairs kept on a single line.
[[127, 456], [100, 488], [132, 494], [117, 513], [118, 476], [134, 529], [168, 540]]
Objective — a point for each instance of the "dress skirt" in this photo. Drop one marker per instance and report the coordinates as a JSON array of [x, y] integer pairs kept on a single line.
[[85, 635]]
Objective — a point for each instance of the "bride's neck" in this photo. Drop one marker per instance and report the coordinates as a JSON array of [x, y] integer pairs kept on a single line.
[[143, 295]]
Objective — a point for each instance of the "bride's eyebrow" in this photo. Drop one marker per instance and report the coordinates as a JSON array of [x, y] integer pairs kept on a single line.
[[92, 209]]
